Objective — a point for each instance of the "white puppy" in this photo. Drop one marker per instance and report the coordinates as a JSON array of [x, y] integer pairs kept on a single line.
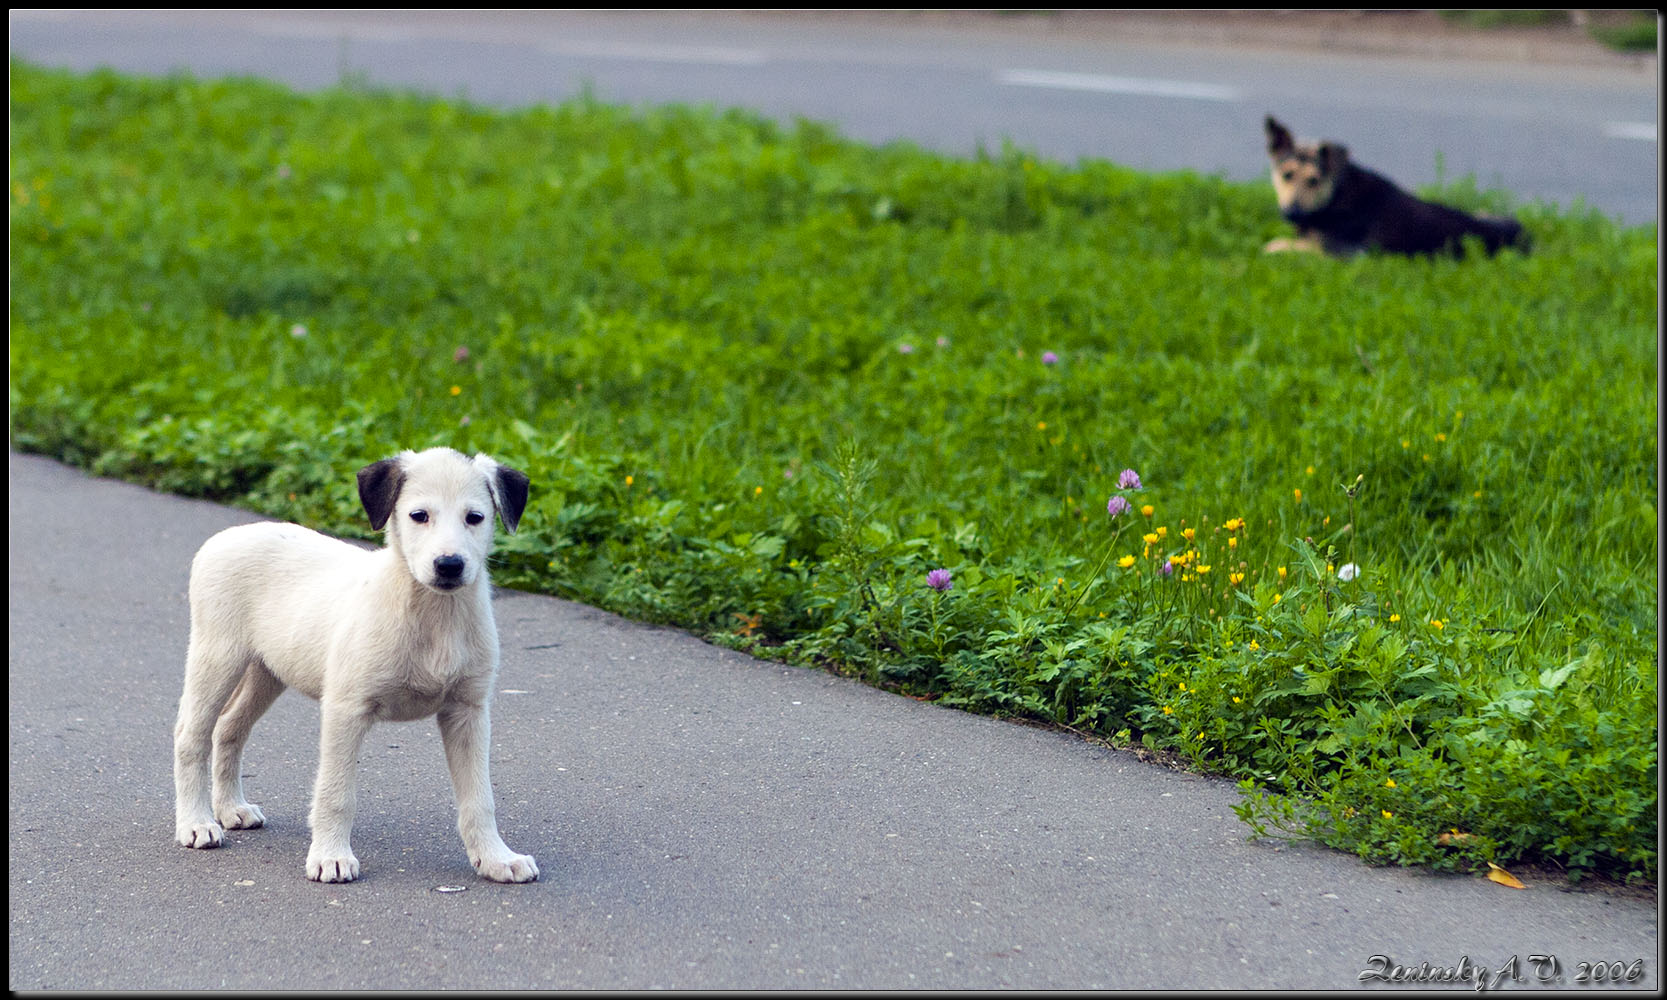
[[397, 633]]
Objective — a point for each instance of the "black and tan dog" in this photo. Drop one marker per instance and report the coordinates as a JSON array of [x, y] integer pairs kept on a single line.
[[1342, 209]]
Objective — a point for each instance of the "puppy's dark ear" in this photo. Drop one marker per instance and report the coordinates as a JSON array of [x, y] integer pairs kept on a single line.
[[1279, 137], [1333, 157], [510, 491], [379, 484]]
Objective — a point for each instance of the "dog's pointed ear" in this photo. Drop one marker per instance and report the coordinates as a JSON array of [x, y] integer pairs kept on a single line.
[[1279, 137], [379, 484], [1334, 156], [508, 488]]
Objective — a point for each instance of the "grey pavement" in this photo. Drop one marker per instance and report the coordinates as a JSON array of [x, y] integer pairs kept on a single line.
[[701, 819]]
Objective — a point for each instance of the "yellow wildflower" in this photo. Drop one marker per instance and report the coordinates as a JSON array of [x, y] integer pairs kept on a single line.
[[1126, 562], [1148, 510]]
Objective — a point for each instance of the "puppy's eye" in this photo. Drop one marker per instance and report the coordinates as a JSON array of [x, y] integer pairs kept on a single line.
[[474, 517], [1313, 182], [1287, 175], [420, 516]]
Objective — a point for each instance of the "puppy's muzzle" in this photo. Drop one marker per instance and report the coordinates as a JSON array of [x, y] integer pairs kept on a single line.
[[448, 571]]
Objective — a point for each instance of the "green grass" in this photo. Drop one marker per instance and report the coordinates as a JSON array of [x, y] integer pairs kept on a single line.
[[1622, 30], [1640, 33], [765, 379]]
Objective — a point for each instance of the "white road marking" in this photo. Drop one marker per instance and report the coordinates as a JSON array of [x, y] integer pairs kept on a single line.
[[1142, 86], [632, 51], [1630, 130]]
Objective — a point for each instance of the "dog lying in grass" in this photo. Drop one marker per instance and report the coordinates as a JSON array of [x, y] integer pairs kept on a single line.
[[1341, 208]]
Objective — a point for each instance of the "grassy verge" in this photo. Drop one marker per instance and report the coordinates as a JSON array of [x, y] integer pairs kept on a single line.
[[1621, 30], [1391, 556]]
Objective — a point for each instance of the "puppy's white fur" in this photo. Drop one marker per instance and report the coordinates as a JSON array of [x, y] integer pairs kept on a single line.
[[397, 633]]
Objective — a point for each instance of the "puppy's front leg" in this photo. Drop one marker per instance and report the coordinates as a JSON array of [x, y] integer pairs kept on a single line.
[[466, 731], [335, 797], [1305, 242]]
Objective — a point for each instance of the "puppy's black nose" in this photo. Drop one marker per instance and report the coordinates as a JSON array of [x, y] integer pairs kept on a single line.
[[449, 567]]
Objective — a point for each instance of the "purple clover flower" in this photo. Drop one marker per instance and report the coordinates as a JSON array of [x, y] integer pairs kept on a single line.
[[1167, 570], [939, 580], [1050, 358], [1117, 505], [1128, 480]]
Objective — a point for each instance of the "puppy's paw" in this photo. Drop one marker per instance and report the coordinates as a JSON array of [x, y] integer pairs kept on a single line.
[[332, 866], [242, 816], [509, 867], [201, 834]]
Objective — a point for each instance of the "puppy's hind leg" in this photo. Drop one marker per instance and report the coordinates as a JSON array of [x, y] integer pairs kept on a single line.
[[211, 673], [254, 695]]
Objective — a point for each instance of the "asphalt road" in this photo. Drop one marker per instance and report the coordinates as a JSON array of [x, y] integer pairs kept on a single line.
[[1541, 128], [701, 819]]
